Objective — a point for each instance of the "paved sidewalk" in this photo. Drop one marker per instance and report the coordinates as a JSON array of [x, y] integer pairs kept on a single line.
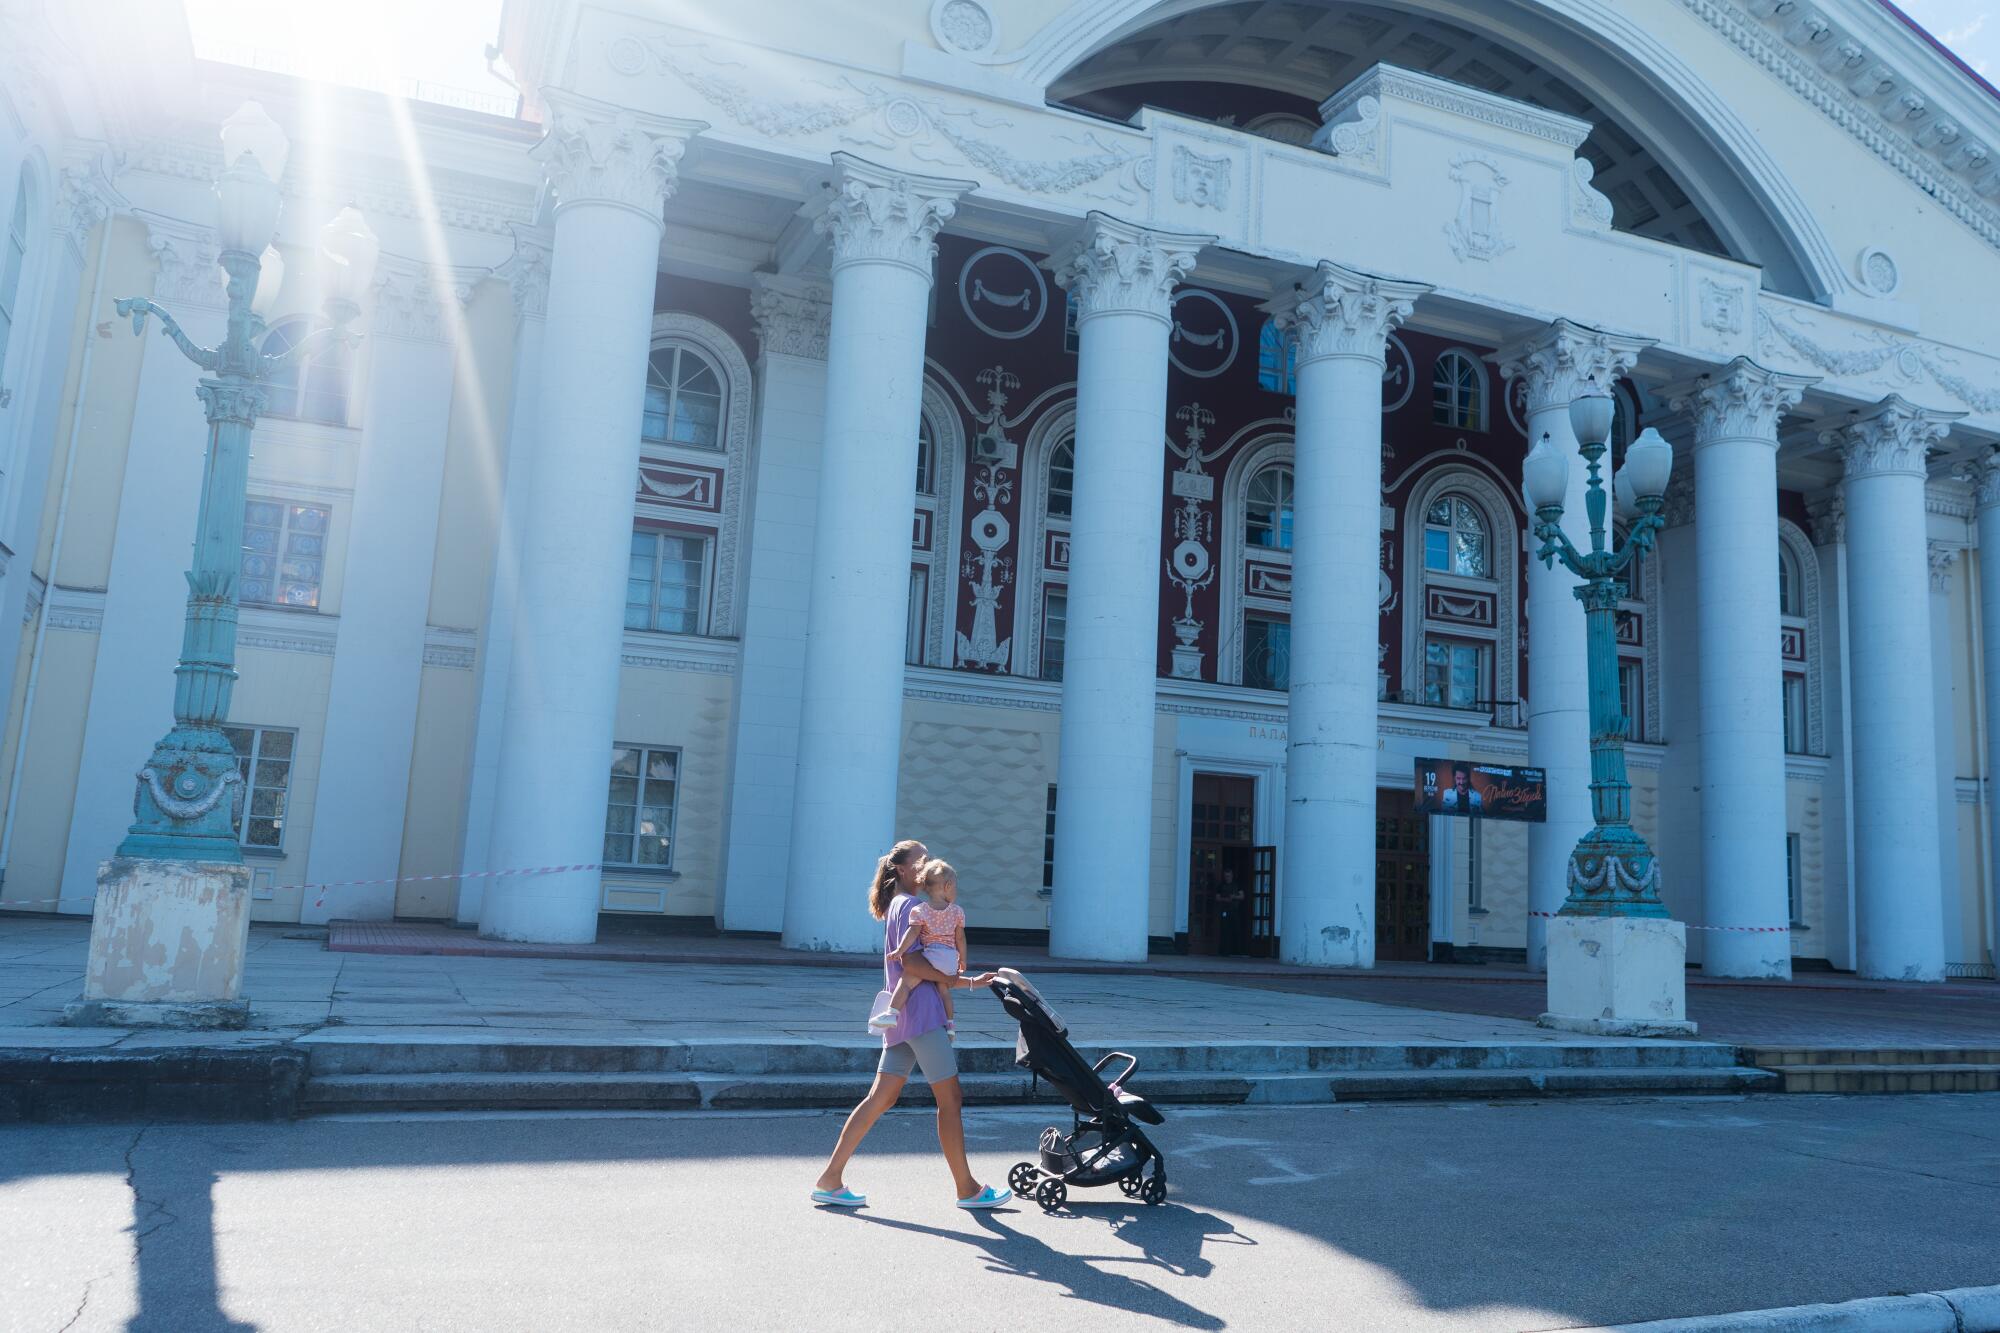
[[294, 985]]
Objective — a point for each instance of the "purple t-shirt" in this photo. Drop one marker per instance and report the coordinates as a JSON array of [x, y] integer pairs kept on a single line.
[[925, 1008]]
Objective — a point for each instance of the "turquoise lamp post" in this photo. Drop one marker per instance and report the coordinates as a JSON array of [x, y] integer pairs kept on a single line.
[[1612, 871], [189, 790]]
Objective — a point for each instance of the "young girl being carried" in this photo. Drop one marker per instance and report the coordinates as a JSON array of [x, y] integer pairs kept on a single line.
[[937, 930]]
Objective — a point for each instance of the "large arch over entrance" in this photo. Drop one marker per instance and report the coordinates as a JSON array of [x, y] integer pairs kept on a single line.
[[1678, 164]]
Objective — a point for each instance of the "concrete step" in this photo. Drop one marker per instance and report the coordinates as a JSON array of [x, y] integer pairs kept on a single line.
[[334, 1054], [1785, 1057], [1885, 1078], [682, 1091]]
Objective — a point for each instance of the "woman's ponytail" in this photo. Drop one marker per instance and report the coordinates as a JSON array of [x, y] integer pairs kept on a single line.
[[882, 890]]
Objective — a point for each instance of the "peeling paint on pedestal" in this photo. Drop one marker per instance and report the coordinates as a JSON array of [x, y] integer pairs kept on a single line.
[[168, 932]]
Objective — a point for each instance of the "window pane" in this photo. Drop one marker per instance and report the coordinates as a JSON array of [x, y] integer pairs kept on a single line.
[[1267, 653], [624, 762], [1055, 624], [618, 850], [264, 833], [618, 819], [277, 745], [697, 376], [1437, 549], [662, 764], [1469, 557], [652, 851], [1062, 478]]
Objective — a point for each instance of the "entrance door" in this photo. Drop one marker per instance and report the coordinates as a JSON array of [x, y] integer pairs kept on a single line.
[[1220, 870], [1402, 880]]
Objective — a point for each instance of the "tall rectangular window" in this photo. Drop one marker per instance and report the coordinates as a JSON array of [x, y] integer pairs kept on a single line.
[[1795, 714], [284, 553], [1794, 879], [1631, 698], [264, 758], [1055, 627], [639, 811], [1267, 653], [665, 585], [1454, 673], [1049, 843], [919, 613]]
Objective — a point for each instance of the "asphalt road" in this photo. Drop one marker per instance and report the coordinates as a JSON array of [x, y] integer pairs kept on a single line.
[[1381, 1217]]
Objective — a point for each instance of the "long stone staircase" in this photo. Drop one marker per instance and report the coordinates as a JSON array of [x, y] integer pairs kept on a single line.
[[353, 1072], [1879, 1069]]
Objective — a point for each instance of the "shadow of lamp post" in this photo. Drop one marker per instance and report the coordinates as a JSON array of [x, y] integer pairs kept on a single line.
[[1616, 959], [172, 913]]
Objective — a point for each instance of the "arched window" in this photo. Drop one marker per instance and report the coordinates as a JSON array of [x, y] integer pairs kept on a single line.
[[1458, 392], [683, 398], [1461, 593], [1791, 587], [317, 388], [1456, 539], [1267, 509], [1277, 359], [1062, 478], [13, 259], [926, 458], [1798, 630]]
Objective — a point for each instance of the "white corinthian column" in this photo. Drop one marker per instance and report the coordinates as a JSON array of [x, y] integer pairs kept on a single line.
[[1122, 279], [1985, 474], [611, 172], [1736, 412], [884, 227], [1560, 363], [1327, 906], [1899, 912]]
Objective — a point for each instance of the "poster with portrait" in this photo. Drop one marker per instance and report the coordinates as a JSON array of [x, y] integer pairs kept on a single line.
[[1485, 791]]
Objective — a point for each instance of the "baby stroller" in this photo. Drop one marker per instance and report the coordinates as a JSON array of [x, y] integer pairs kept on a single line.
[[1104, 1144]]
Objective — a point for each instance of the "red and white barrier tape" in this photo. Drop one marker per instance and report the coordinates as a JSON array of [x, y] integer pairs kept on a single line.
[[320, 889], [1754, 930]]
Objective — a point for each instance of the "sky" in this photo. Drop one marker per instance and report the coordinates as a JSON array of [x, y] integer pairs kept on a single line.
[[442, 42]]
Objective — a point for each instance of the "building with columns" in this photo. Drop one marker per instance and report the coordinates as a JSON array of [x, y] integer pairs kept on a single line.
[[783, 429]]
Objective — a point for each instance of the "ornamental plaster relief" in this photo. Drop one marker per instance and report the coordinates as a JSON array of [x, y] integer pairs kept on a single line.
[[596, 153], [1564, 360], [1741, 401], [1983, 473], [793, 315], [1341, 313], [526, 271], [414, 301], [186, 256]]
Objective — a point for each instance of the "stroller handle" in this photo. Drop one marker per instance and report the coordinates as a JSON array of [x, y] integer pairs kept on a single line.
[[1131, 1063]]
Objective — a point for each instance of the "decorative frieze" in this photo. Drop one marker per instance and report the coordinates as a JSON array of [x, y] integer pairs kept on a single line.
[[793, 315], [412, 301], [1338, 312], [883, 216], [1113, 267], [1741, 401], [1893, 439], [1562, 362], [597, 153]]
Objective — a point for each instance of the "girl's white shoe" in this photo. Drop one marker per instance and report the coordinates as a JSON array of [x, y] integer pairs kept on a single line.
[[888, 1018]]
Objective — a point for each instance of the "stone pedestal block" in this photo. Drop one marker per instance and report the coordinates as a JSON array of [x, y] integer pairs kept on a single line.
[[1618, 976], [167, 940]]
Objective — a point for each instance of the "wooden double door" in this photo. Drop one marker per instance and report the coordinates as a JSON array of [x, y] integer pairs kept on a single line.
[[1402, 880], [1232, 881]]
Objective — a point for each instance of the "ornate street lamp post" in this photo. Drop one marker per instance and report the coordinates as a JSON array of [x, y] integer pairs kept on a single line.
[[172, 909], [1615, 958]]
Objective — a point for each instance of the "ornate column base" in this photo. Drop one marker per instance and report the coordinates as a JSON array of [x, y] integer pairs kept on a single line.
[[167, 941], [1618, 976]]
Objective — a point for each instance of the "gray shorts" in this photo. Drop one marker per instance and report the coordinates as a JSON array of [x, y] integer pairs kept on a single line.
[[932, 1050]]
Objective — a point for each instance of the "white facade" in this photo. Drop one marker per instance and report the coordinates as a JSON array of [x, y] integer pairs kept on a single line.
[[960, 425]]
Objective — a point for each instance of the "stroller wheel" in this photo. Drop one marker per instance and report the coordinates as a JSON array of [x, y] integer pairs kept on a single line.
[[1051, 1194], [1155, 1190], [1129, 1185], [1022, 1178]]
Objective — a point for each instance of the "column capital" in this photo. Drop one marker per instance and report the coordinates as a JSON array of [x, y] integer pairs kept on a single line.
[[1984, 474], [593, 152], [1828, 512], [1893, 438], [414, 301], [1114, 267], [793, 315], [1739, 401], [1338, 312], [526, 271], [187, 256], [86, 197], [879, 215], [1942, 554], [1562, 361]]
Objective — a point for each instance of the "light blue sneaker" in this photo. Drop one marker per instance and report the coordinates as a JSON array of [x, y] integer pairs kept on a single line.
[[987, 1198], [840, 1198]]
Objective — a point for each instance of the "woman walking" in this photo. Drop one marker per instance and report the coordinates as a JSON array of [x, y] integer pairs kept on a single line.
[[918, 1040]]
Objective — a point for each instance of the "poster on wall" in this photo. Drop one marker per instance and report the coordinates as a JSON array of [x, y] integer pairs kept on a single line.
[[1488, 791]]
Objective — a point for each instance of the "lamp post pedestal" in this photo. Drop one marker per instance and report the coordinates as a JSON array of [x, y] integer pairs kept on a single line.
[[167, 941], [1618, 976]]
